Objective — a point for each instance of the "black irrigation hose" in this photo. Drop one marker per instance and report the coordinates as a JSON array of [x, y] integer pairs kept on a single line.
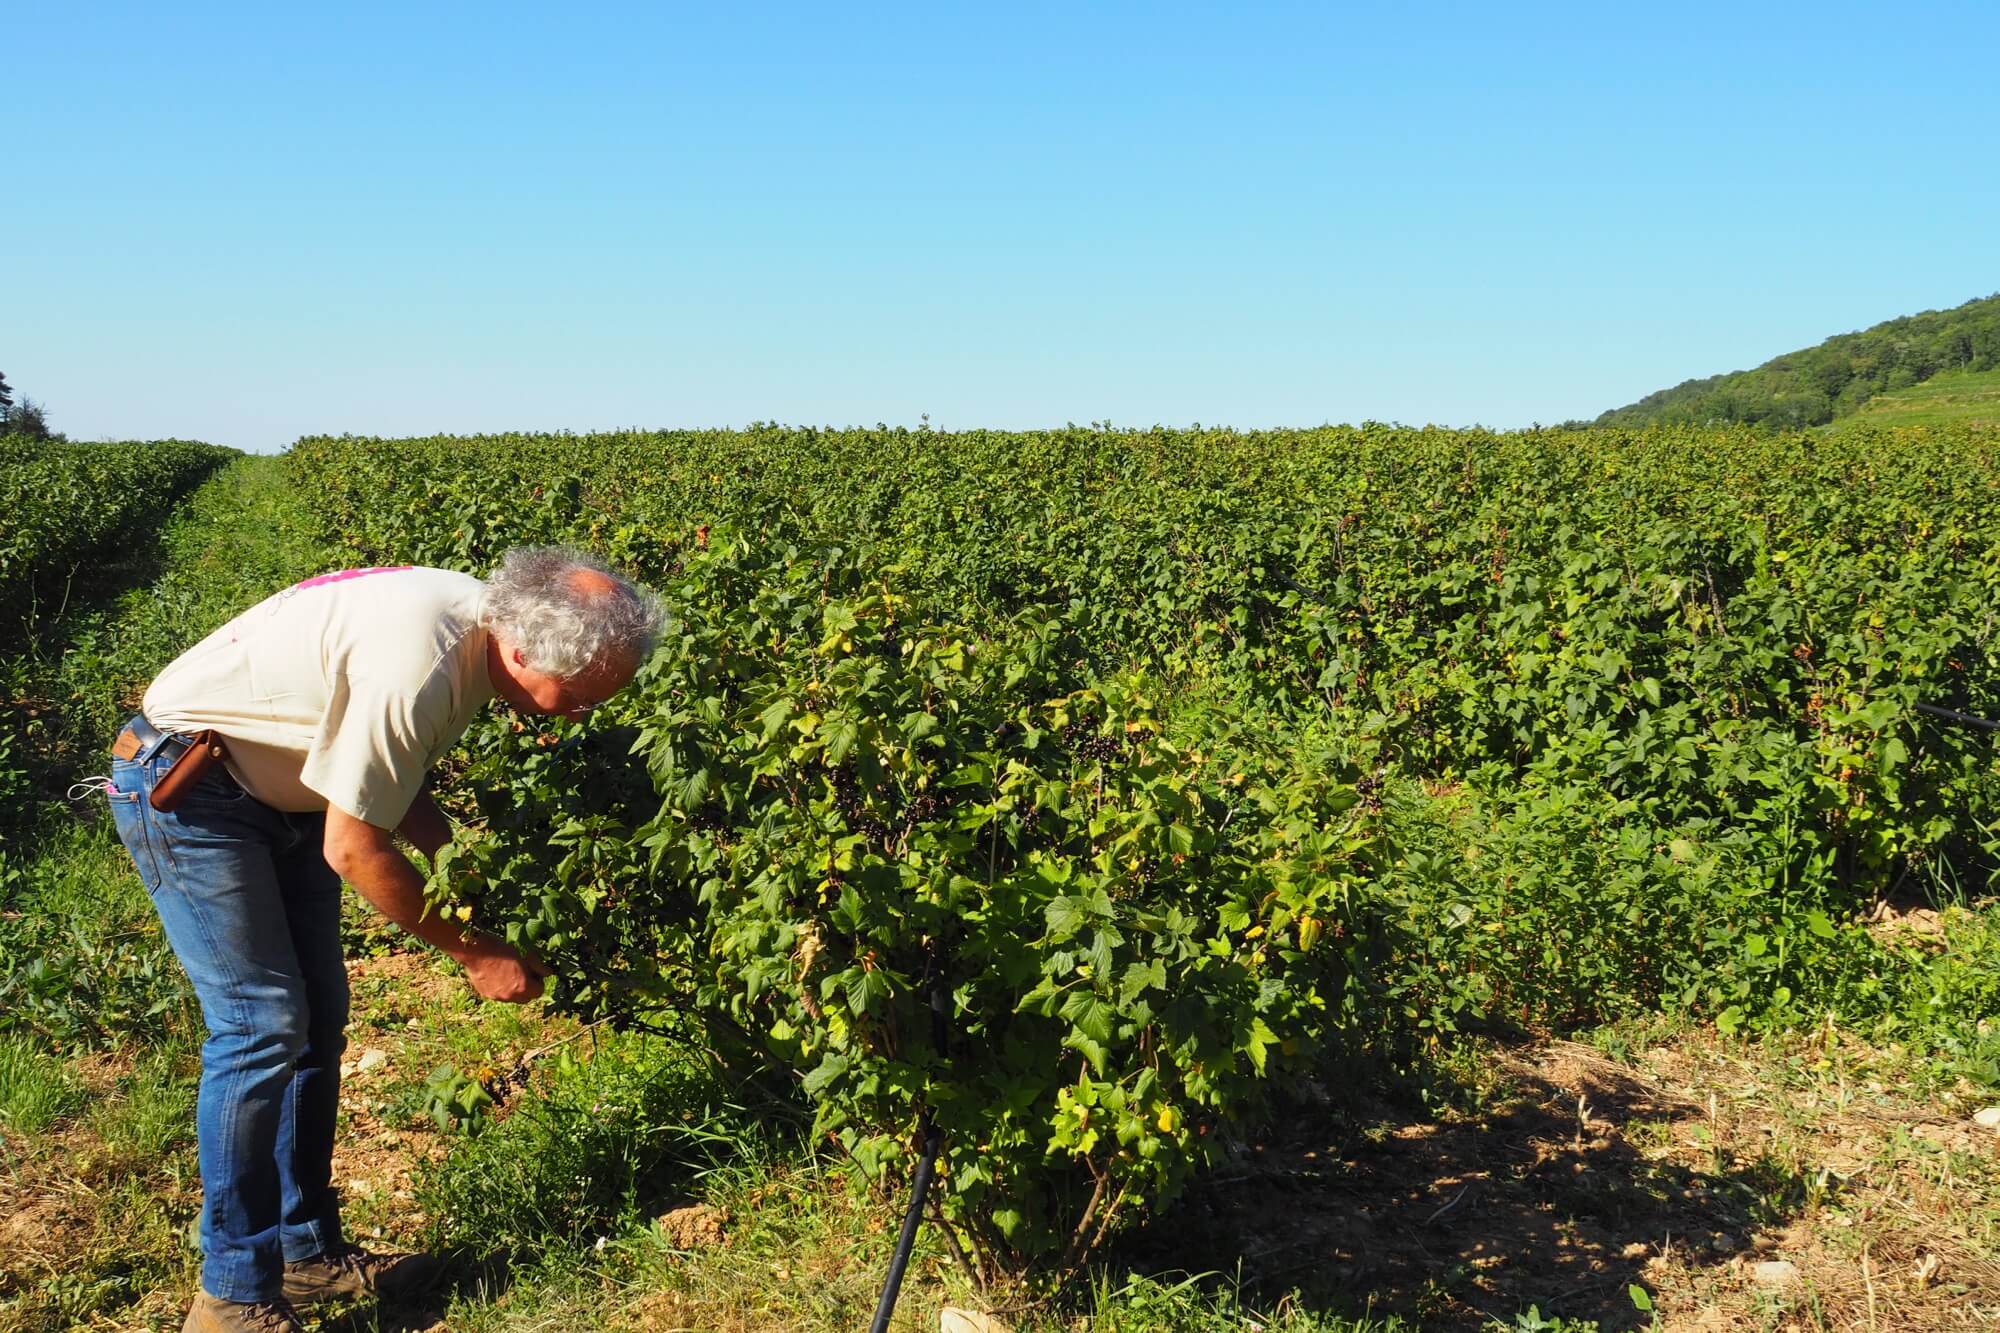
[[920, 1185], [912, 1216], [1953, 715]]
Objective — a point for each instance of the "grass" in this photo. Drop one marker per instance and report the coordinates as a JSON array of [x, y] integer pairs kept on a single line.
[[616, 1136], [1950, 399], [696, 1215], [1891, 1214], [95, 966], [98, 1207], [148, 1114], [35, 1092]]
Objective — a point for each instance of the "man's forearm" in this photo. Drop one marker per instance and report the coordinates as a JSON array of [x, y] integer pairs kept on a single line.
[[367, 857], [385, 877]]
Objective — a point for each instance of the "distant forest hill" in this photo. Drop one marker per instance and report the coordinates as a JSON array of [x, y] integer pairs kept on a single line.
[[1819, 384]]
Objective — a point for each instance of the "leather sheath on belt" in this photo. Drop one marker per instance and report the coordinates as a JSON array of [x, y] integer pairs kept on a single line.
[[204, 750]]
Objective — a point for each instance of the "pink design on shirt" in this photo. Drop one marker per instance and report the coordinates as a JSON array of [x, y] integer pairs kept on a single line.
[[347, 574]]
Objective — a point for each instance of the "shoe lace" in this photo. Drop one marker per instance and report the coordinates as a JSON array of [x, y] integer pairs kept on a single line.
[[347, 1259]]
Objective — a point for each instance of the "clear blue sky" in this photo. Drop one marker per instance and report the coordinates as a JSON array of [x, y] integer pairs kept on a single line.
[[245, 224]]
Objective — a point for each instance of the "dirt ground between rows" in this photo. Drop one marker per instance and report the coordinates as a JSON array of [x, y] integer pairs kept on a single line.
[[1732, 1202], [1738, 1187]]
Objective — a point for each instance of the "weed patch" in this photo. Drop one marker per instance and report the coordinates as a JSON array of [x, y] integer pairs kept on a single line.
[[603, 1140]]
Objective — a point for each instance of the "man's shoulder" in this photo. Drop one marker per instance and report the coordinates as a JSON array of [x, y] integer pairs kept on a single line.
[[450, 587], [383, 585], [406, 630]]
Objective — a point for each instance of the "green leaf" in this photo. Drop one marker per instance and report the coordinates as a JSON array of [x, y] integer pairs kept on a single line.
[[1141, 977], [1010, 1220], [1091, 1015], [831, 1066], [1259, 1040], [1041, 999], [1092, 1049], [1099, 955], [839, 736], [1066, 916], [866, 990], [773, 719]]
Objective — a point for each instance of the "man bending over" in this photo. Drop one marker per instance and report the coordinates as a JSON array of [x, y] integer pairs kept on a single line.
[[297, 738]]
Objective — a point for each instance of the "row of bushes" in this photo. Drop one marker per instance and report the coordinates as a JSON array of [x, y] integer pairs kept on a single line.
[[63, 507], [1190, 764], [1715, 625], [63, 503]]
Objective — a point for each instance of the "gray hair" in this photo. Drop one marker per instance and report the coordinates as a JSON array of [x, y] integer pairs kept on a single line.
[[533, 601]]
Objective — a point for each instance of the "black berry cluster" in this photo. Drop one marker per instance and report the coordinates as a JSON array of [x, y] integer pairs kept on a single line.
[[853, 807], [1082, 739]]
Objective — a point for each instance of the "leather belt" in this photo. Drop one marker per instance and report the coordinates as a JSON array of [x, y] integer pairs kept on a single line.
[[139, 735], [192, 756]]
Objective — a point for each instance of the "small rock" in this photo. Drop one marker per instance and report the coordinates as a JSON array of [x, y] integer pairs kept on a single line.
[[371, 1060], [951, 1319], [1775, 1272], [1638, 1249], [1988, 1118]]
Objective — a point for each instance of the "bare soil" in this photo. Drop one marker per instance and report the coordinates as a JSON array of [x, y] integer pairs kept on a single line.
[[1678, 1174]]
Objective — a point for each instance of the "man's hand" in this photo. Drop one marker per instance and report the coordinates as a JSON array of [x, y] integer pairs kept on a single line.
[[367, 858], [499, 971]]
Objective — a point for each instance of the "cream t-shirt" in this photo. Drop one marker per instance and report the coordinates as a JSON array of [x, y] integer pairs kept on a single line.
[[342, 690]]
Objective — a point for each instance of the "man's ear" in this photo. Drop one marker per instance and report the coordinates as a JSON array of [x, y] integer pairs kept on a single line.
[[519, 660]]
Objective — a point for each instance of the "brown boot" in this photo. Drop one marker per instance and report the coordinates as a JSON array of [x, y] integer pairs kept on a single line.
[[352, 1271], [210, 1314]]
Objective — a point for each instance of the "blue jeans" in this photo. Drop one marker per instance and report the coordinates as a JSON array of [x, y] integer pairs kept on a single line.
[[253, 913]]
